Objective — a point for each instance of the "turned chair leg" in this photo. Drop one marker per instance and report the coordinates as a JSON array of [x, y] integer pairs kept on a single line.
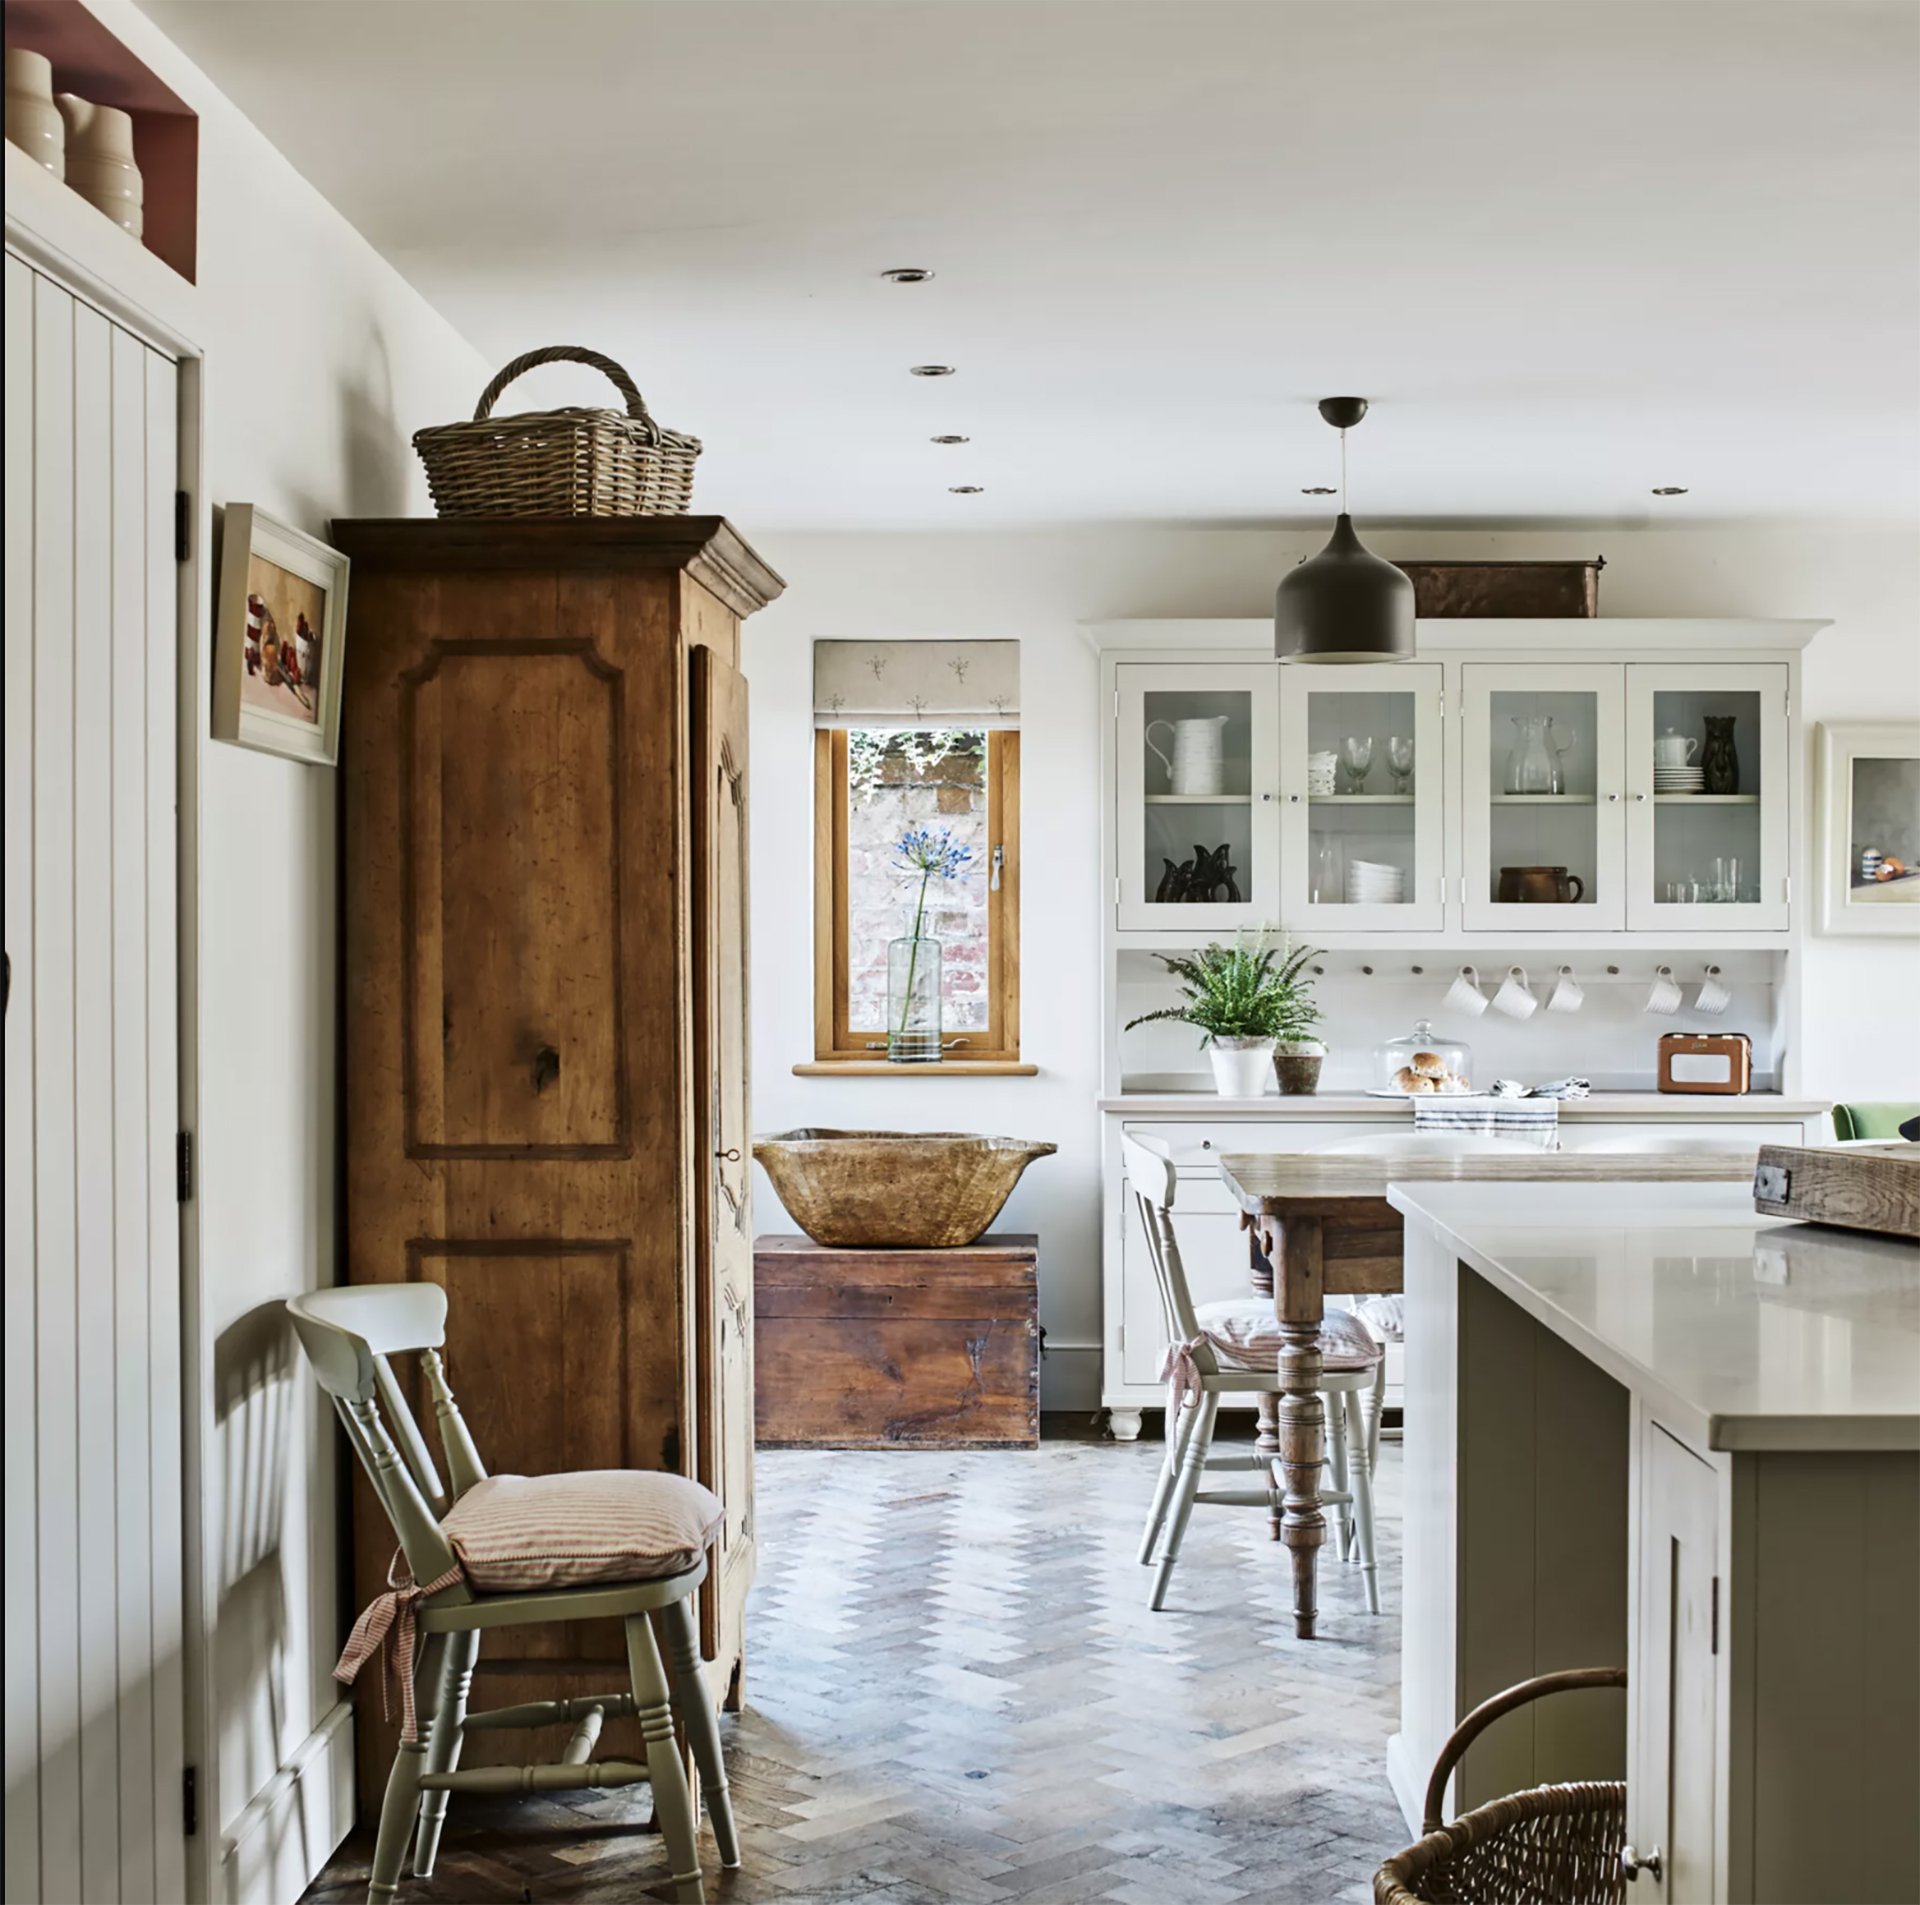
[[1193, 1464], [1376, 1408], [402, 1803], [1177, 1438], [672, 1802], [675, 1622], [1363, 1499], [443, 1744]]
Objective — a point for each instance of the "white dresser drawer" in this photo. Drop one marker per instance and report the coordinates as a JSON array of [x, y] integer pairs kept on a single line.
[[1199, 1146]]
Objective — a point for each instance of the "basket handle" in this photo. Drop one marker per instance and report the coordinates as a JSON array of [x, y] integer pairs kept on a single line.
[[566, 354], [1483, 1716]]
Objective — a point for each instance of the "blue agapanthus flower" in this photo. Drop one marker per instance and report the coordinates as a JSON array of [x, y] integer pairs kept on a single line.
[[932, 855]]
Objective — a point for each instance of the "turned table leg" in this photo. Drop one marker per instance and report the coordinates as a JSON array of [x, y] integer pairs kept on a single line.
[[1299, 1300], [1266, 1409]]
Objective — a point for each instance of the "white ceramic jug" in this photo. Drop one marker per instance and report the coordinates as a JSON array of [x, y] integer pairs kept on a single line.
[[100, 164], [33, 120], [1198, 765], [1674, 749]]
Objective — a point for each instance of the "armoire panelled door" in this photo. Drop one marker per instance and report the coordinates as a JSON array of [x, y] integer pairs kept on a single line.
[[543, 751], [94, 1550]]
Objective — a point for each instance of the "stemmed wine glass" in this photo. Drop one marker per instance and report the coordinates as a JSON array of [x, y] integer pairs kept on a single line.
[[1358, 755], [1400, 761]]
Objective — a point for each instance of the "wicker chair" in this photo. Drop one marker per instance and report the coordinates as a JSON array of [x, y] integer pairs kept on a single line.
[[1550, 1845]]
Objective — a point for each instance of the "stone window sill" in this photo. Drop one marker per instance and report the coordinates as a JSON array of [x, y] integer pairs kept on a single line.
[[946, 1067]]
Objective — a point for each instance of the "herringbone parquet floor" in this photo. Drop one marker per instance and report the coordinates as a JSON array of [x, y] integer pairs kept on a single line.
[[958, 1694]]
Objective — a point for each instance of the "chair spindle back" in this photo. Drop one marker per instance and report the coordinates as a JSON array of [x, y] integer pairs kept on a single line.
[[1150, 1172]]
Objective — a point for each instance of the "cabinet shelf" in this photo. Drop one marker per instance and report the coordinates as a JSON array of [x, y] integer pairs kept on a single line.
[[1360, 800], [1707, 800], [1542, 800], [1199, 800]]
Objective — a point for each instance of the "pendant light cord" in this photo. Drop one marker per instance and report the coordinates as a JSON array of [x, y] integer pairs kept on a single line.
[[1343, 472]]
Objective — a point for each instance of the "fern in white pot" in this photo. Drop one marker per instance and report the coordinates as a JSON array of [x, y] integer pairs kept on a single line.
[[1243, 999]]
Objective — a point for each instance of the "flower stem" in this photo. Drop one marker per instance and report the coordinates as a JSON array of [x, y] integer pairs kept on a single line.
[[913, 958]]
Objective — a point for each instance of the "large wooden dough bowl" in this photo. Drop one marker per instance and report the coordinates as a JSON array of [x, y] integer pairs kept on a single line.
[[894, 1190]]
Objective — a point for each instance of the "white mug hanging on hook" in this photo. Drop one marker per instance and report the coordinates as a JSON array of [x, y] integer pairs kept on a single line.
[[1665, 996], [1464, 995], [1713, 997], [1198, 762], [1515, 997], [1566, 995]]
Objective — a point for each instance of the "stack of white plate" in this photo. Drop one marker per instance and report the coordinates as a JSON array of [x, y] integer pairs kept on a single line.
[[1372, 883], [1678, 780]]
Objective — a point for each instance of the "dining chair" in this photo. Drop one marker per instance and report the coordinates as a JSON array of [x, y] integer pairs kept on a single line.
[[511, 1551], [1233, 1348]]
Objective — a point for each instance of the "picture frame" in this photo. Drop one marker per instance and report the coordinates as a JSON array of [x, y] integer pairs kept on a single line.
[[279, 624], [1868, 777]]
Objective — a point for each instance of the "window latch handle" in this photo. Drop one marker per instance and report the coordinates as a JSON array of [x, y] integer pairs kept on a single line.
[[999, 861]]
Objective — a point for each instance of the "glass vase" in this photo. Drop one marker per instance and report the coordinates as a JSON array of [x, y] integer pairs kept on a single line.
[[913, 1000]]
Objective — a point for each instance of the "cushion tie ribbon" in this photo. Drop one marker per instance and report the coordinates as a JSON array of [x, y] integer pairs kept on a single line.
[[1181, 1373], [386, 1627]]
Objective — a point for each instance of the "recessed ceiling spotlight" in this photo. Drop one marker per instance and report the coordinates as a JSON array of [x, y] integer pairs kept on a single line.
[[933, 370], [949, 439], [1670, 489], [906, 274], [1320, 489], [966, 489]]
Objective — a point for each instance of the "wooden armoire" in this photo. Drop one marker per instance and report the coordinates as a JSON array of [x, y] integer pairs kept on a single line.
[[544, 906]]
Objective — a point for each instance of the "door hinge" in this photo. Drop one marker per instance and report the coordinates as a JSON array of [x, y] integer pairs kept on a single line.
[[183, 1165], [1786, 702], [1116, 702], [1120, 1336], [1116, 889], [1786, 888], [1715, 1617], [182, 518], [1443, 704], [190, 1801]]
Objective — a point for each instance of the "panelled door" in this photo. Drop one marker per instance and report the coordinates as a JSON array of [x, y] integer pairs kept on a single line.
[[723, 1140], [94, 1552], [1673, 1699]]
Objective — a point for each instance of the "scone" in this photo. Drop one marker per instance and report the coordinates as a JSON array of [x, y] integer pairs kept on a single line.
[[1428, 1065]]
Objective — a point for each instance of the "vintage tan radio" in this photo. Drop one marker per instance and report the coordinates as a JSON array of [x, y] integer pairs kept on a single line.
[[1706, 1061]]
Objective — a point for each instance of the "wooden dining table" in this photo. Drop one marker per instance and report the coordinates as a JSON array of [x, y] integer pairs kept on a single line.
[[1324, 1225]]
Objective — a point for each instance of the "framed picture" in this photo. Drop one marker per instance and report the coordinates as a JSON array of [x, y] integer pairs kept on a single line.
[[281, 617], [1869, 827]]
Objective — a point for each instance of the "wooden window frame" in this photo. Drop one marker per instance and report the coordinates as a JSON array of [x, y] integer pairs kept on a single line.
[[835, 1046]]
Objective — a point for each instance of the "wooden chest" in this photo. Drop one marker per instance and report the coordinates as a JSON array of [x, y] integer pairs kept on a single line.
[[913, 1349]]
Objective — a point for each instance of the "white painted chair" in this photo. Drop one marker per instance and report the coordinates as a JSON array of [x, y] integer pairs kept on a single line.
[[1233, 1348], [639, 1538]]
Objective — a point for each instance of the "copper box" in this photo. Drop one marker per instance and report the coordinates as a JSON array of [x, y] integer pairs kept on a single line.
[[1443, 589], [1706, 1061]]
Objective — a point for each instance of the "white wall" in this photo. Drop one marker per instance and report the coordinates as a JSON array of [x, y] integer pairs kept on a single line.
[[319, 363], [1861, 1029]]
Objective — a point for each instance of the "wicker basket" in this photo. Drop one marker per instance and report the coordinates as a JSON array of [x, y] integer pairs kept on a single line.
[[569, 462], [1552, 1845]]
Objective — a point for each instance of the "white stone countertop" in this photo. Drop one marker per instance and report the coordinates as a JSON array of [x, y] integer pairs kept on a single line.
[[1741, 1331], [1698, 1106]]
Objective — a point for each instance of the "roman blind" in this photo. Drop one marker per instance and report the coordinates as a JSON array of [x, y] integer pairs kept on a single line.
[[916, 684]]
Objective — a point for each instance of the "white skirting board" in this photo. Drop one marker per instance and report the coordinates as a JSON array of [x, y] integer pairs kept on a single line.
[[289, 1829]]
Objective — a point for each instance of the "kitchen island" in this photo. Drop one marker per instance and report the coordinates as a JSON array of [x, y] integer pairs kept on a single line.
[[1648, 1427]]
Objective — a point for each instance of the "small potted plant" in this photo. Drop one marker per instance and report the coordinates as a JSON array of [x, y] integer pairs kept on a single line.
[[1246, 999]]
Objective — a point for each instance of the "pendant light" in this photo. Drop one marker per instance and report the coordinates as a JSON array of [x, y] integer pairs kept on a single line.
[[1345, 604]]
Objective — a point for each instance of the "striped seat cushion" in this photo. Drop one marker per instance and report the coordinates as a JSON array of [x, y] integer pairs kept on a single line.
[[1386, 1316], [514, 1533], [1245, 1334]]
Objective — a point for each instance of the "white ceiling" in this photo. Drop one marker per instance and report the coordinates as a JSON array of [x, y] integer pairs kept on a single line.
[[1570, 248]]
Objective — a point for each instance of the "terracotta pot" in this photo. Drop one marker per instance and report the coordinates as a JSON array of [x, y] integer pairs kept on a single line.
[[1540, 886], [894, 1190], [1296, 1067]]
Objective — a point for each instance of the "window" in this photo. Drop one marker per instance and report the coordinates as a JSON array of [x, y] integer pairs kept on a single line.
[[871, 786], [916, 737]]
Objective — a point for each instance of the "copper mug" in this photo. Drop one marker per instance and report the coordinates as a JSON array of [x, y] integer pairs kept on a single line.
[[1540, 886]]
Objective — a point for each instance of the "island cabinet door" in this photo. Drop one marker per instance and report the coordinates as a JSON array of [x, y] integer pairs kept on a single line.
[[1672, 1775], [1197, 824], [1361, 845]]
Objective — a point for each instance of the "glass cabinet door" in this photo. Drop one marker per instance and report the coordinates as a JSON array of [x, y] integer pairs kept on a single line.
[[1198, 826], [1542, 789], [1707, 797], [1361, 819]]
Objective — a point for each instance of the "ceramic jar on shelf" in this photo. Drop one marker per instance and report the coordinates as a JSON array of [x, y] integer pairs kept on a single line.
[[34, 123], [100, 161]]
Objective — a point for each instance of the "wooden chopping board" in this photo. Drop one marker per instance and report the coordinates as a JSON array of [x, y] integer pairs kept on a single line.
[[1866, 1187]]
